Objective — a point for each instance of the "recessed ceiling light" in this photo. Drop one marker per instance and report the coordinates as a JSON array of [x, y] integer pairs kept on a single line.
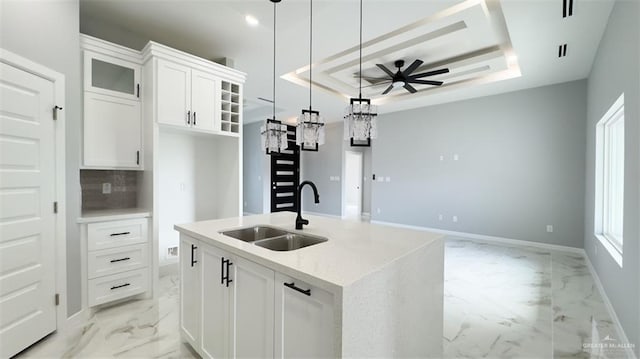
[[251, 20]]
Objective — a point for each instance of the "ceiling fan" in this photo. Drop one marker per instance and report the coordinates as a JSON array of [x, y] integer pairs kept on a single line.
[[405, 78]]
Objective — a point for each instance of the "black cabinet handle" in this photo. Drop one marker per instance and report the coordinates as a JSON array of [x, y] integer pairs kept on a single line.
[[119, 234], [120, 286], [225, 263], [119, 260], [137, 157], [193, 250], [189, 117], [138, 89], [194, 118], [292, 285]]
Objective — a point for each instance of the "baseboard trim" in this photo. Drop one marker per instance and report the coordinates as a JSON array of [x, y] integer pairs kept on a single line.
[[168, 269], [486, 238], [321, 214], [76, 320], [622, 336]]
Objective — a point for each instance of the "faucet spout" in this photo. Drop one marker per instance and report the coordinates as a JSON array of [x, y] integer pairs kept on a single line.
[[299, 220]]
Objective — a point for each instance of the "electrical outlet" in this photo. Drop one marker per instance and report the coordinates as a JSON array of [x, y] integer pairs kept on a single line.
[[549, 228], [456, 157], [440, 217], [455, 218], [106, 188], [172, 251], [183, 187], [441, 158], [387, 179], [379, 210]]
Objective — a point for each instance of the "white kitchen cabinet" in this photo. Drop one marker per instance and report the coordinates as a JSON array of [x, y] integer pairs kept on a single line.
[[190, 298], [117, 259], [110, 75], [112, 120], [112, 132], [304, 320], [186, 96], [226, 303]]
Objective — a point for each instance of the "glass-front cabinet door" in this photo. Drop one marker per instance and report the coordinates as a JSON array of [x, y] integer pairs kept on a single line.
[[109, 75]]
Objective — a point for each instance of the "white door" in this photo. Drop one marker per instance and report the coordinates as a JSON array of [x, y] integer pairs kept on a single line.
[[190, 268], [353, 184], [204, 92], [216, 305], [27, 221], [112, 132], [174, 94], [304, 321], [252, 298]]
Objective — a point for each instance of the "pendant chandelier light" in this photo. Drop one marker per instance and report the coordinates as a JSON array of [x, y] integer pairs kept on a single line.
[[360, 117], [310, 127], [274, 132]]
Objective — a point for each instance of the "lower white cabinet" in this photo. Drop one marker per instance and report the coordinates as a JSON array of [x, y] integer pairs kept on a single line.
[[304, 314], [226, 303]]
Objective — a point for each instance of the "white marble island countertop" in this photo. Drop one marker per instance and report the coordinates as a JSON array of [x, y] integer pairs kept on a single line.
[[353, 251]]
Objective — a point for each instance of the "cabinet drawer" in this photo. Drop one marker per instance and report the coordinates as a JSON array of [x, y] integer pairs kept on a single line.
[[117, 286], [116, 233], [116, 260]]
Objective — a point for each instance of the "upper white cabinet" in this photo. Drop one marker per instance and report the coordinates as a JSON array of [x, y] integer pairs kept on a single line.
[[186, 97], [193, 93], [110, 75], [112, 107]]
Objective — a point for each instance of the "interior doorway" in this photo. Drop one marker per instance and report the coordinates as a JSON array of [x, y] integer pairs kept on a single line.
[[353, 176]]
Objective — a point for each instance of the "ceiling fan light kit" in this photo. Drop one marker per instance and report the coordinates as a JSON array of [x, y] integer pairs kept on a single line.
[[274, 133], [310, 126]]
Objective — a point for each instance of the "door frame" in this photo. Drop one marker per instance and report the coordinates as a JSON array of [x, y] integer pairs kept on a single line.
[[58, 81], [344, 181]]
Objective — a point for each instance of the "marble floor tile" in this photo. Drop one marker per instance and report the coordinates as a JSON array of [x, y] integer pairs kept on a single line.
[[501, 301]]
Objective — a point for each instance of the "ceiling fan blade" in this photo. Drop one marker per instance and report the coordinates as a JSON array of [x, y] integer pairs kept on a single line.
[[377, 84], [388, 90], [371, 78], [430, 73], [386, 70], [410, 88], [426, 82], [412, 67]]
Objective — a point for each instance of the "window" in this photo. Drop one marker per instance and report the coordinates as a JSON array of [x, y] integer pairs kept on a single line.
[[609, 206]]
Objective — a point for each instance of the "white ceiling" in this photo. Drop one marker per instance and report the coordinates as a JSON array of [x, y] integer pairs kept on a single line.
[[490, 46]]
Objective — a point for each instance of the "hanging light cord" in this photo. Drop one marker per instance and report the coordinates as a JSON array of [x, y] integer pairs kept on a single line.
[[360, 71], [274, 61], [310, 50]]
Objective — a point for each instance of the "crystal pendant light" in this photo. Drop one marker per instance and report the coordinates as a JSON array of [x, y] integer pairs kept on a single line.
[[360, 116], [274, 132], [310, 127]]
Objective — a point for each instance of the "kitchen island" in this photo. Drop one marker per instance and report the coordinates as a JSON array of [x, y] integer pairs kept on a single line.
[[368, 291]]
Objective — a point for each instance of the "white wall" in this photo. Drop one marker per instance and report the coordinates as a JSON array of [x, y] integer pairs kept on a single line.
[[616, 70], [47, 32]]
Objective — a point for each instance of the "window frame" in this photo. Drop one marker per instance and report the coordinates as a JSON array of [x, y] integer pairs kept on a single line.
[[609, 180]]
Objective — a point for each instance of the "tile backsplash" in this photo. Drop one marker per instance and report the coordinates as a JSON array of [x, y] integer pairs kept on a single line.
[[124, 189]]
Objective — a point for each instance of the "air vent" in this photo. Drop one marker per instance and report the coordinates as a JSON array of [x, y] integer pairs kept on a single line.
[[567, 8], [562, 50]]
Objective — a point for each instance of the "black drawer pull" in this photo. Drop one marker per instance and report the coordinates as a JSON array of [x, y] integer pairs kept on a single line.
[[193, 255], [292, 285], [119, 260], [119, 234], [120, 286]]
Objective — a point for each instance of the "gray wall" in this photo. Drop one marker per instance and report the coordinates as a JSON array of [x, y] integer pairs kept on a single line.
[[47, 32], [253, 167], [520, 167], [616, 70], [319, 167]]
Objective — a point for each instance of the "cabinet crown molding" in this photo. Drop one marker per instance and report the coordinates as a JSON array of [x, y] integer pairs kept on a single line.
[[154, 49], [102, 46]]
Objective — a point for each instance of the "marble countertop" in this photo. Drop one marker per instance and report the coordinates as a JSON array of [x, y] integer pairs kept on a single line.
[[104, 215], [354, 249]]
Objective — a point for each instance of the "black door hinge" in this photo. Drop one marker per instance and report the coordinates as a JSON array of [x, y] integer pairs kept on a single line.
[[55, 112], [57, 299], [55, 207]]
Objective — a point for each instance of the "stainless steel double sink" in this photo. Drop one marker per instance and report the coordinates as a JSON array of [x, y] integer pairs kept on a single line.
[[273, 238]]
